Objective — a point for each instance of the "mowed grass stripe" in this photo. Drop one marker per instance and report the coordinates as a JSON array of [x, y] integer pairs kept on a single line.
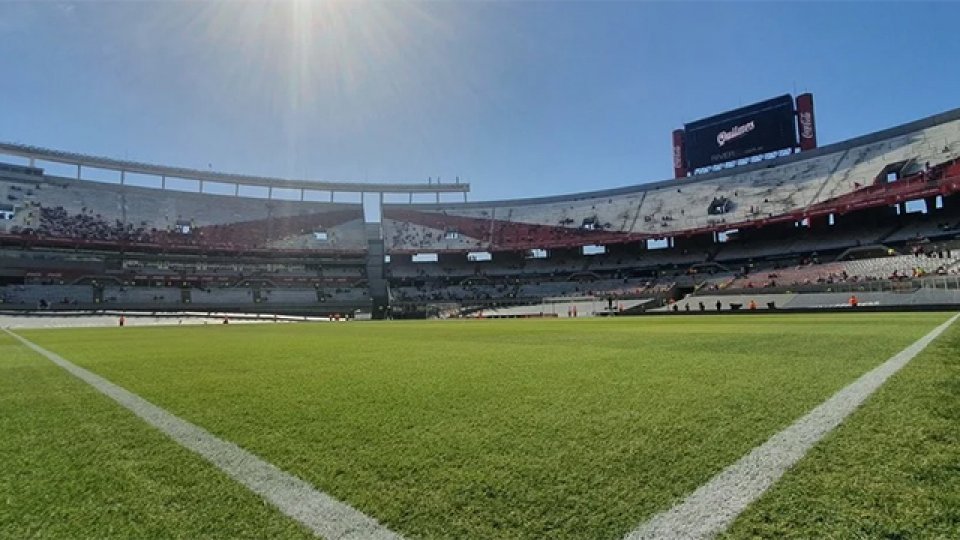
[[74, 465], [297, 499], [714, 506], [892, 470], [499, 429]]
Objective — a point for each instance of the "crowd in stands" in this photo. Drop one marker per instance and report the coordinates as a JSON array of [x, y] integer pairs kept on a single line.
[[86, 225]]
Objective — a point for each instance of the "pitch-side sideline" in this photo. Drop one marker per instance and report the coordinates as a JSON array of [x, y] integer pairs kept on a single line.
[[714, 506]]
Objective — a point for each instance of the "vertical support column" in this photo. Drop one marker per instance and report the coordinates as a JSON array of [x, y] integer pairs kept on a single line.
[[163, 181], [236, 190], [438, 197], [410, 200], [331, 195], [302, 192], [201, 185], [123, 177], [78, 171], [269, 193]]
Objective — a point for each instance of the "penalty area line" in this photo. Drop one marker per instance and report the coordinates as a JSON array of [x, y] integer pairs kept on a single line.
[[714, 506], [319, 512]]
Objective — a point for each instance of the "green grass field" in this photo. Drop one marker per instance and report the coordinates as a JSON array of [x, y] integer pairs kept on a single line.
[[479, 429], [891, 471]]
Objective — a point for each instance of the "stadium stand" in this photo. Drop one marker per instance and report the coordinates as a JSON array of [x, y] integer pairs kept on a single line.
[[894, 267], [751, 194], [86, 211], [840, 215]]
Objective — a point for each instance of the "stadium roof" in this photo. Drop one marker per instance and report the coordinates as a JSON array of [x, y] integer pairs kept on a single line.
[[83, 160]]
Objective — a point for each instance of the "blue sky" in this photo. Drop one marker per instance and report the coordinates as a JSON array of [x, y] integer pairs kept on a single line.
[[519, 98]]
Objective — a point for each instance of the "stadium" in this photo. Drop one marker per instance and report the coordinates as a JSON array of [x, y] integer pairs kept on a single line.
[[763, 345], [876, 216]]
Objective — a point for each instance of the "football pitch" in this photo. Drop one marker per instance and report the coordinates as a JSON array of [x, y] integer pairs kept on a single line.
[[519, 429]]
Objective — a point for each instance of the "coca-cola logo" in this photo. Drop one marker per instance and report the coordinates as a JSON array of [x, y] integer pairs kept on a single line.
[[806, 125], [735, 133], [677, 162]]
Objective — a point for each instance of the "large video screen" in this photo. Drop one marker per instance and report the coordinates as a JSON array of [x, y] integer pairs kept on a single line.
[[767, 126]]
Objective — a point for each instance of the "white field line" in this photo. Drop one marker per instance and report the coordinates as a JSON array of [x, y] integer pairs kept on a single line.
[[714, 506], [319, 512]]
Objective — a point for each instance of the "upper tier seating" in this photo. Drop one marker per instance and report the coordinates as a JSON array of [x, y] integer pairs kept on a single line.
[[90, 211], [788, 186]]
